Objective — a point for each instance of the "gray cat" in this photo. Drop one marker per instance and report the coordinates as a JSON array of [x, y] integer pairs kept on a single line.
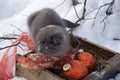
[[48, 32]]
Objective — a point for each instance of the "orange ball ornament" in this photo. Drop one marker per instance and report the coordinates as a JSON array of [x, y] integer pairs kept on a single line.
[[75, 70], [88, 59]]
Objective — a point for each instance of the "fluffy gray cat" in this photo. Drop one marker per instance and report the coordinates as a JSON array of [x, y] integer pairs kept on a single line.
[[48, 32]]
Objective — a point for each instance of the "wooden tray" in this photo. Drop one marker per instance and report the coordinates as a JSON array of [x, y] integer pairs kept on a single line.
[[108, 63]]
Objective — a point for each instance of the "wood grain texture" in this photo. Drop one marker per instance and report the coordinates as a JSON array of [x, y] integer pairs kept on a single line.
[[35, 74]]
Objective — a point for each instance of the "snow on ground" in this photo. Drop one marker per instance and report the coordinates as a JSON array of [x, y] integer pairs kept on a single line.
[[11, 7], [14, 14]]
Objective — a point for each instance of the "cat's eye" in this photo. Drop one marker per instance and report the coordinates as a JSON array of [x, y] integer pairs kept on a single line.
[[46, 47]]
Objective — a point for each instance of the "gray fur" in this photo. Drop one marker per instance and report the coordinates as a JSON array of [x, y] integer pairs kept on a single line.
[[48, 32]]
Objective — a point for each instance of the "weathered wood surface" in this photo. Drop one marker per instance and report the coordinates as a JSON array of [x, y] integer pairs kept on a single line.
[[35, 74]]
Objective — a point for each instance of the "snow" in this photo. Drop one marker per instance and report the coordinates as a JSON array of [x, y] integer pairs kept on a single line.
[[14, 14], [11, 7], [18, 78], [117, 77]]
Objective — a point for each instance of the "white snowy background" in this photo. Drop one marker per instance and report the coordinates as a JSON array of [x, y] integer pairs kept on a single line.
[[96, 26]]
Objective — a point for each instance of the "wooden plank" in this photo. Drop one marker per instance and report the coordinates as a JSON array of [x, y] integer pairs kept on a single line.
[[35, 74], [111, 69]]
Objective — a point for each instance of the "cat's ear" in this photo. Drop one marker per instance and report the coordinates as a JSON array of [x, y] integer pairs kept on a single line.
[[70, 24], [31, 18]]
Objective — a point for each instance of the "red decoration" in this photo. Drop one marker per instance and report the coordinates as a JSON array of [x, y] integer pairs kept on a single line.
[[88, 59], [76, 70]]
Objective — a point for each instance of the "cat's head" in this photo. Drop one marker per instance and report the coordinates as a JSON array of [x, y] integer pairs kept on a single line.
[[53, 40]]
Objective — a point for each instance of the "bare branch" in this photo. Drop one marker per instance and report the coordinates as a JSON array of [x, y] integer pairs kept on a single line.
[[108, 12], [103, 20], [90, 12], [89, 18], [111, 3], [98, 8], [76, 12], [75, 2], [95, 18], [68, 11], [9, 46], [116, 39], [16, 27], [60, 4], [7, 38], [84, 11], [104, 26], [21, 48]]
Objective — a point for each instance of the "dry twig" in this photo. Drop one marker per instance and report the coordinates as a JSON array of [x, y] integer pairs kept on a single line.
[[9, 46], [68, 11], [7, 38], [110, 4], [84, 11], [108, 12], [60, 4], [16, 27], [75, 2]]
